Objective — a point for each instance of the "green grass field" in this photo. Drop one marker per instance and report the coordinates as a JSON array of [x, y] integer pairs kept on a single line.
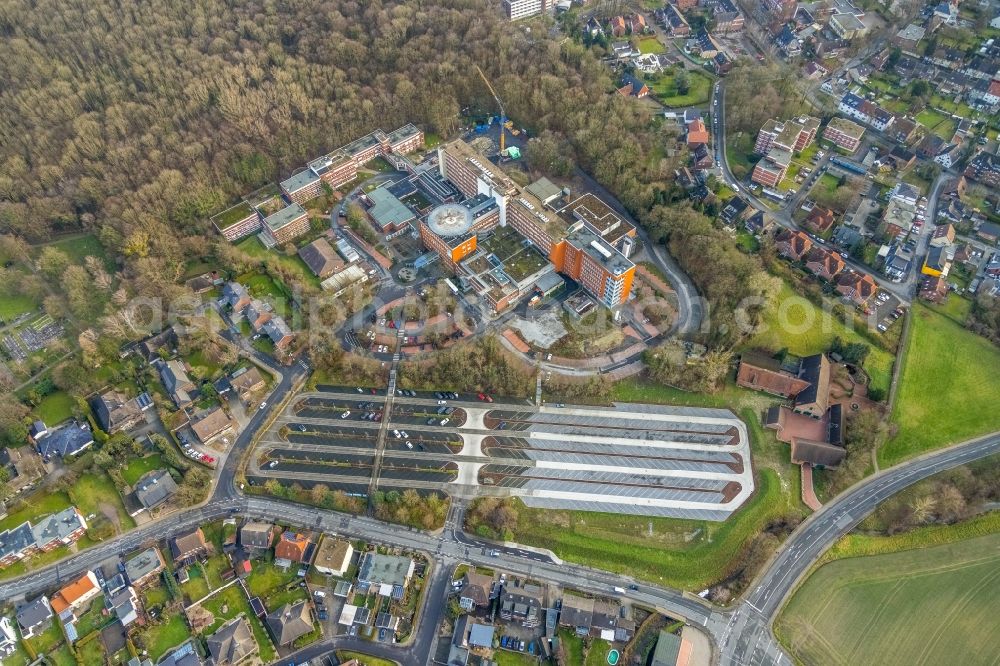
[[294, 263], [158, 639], [947, 391], [797, 324], [78, 248], [665, 90], [12, 305], [922, 606], [136, 467], [54, 408], [650, 44]]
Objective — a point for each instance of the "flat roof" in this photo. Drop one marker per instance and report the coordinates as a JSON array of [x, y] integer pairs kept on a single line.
[[404, 132], [450, 219], [596, 213], [284, 216], [296, 182], [848, 127], [544, 189], [600, 251], [232, 215], [387, 209], [487, 170]]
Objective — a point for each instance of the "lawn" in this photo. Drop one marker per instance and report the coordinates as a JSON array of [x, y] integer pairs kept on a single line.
[[597, 654], [160, 638], [650, 44], [665, 90], [365, 659], [265, 287], [267, 578], [508, 658], [926, 605], [79, 247], [253, 247], [55, 408], [12, 305], [134, 470], [796, 324], [573, 645], [944, 395]]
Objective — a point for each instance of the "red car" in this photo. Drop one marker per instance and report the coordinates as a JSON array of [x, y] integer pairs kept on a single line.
[[482, 396]]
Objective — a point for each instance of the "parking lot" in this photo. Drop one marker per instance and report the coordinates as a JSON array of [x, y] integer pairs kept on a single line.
[[630, 458]]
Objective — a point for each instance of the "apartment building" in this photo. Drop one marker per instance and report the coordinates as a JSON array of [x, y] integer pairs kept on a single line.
[[772, 168], [791, 135], [302, 186], [860, 109], [237, 222], [519, 9], [286, 225], [844, 133], [334, 169]]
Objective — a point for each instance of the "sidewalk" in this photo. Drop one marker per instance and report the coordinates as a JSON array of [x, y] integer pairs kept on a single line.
[[808, 492]]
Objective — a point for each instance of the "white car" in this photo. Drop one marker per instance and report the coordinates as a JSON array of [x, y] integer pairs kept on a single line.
[[396, 433], [262, 406], [409, 445], [345, 414]]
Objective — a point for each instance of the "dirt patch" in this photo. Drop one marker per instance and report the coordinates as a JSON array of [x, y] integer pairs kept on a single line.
[[111, 513], [199, 618]]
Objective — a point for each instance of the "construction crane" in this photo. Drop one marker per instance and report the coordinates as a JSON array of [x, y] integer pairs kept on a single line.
[[503, 114]]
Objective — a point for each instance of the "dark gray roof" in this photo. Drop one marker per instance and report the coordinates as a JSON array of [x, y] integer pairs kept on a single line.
[[817, 453], [142, 564], [34, 613], [66, 440], [256, 535], [57, 526], [183, 655], [809, 371], [15, 540], [232, 642], [154, 488], [290, 622]]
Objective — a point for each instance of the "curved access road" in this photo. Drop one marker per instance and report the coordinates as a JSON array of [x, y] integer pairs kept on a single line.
[[748, 637]]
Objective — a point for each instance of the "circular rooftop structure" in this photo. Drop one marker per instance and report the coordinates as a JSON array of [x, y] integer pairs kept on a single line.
[[450, 220]]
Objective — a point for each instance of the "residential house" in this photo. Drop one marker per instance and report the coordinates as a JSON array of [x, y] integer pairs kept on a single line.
[[321, 258], [594, 27], [734, 211], [867, 112], [633, 87], [290, 622], [824, 264], [815, 71], [248, 383], [904, 130], [814, 441], [213, 425], [674, 22], [722, 64], [617, 26], [294, 547], [476, 590], [256, 536], [727, 17], [161, 345], [943, 236], [859, 288], [333, 557], [278, 332], [900, 158], [115, 412], [59, 529], [847, 26], [701, 158], [34, 617], [175, 379], [154, 488], [73, 596], [793, 135], [758, 223], [144, 568], [954, 188], [69, 439], [697, 133], [522, 605], [788, 42], [988, 232], [933, 289], [898, 261], [792, 244], [821, 219], [704, 45], [235, 296], [232, 642], [984, 168], [188, 546], [907, 38], [24, 467], [636, 23], [123, 602], [379, 569], [577, 613], [951, 153], [258, 313]]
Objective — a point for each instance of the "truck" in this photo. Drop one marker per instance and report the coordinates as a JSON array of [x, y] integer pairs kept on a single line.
[[620, 590]]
